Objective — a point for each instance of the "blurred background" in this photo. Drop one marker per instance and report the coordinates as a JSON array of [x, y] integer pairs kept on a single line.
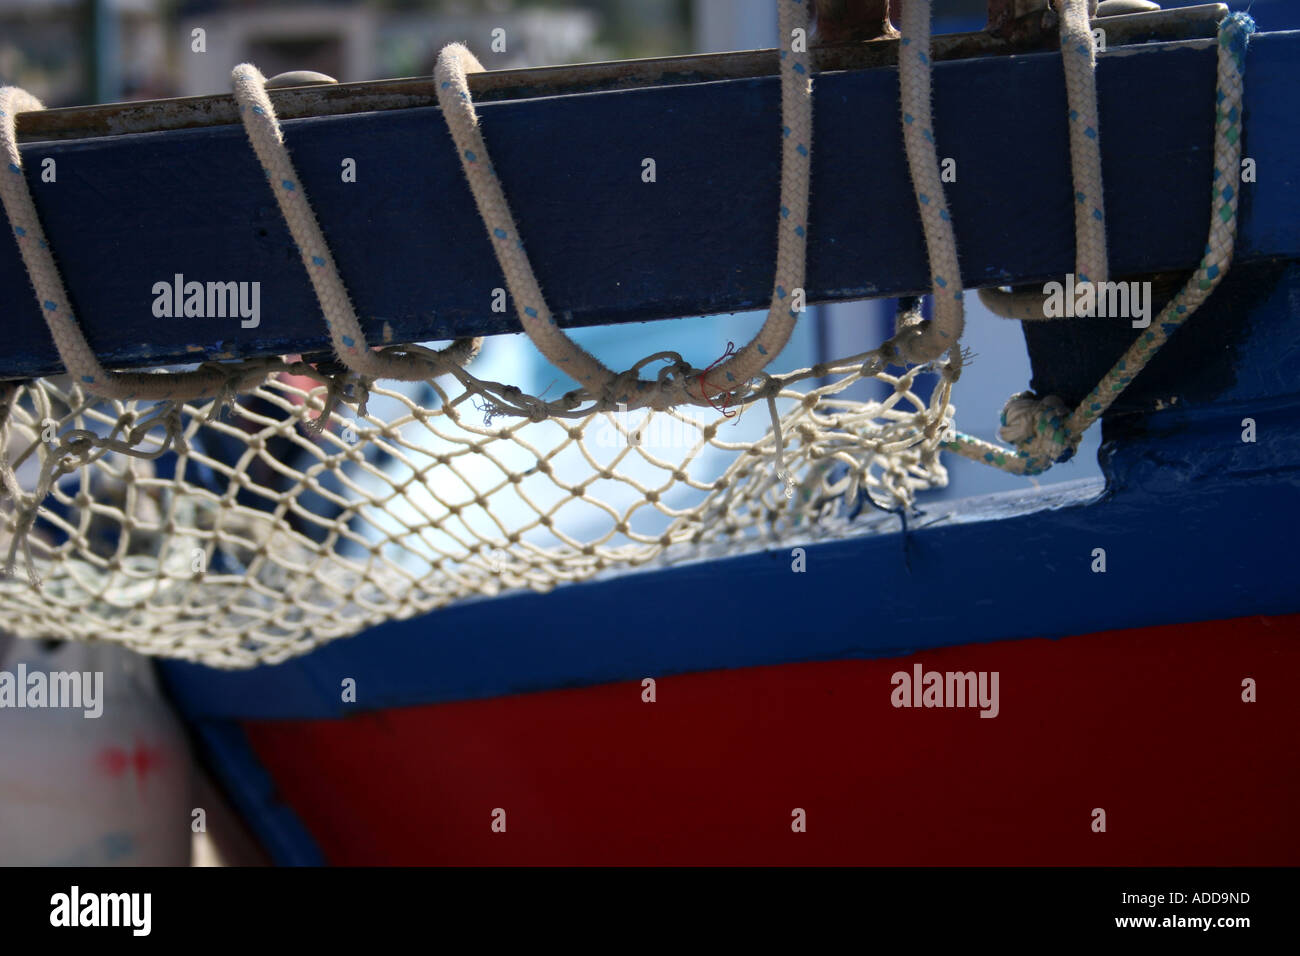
[[70, 52], [86, 51]]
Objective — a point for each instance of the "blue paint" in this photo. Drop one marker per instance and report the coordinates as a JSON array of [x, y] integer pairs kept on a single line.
[[999, 117], [253, 792]]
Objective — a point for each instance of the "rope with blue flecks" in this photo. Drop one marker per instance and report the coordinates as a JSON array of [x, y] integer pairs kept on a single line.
[[676, 385], [917, 340], [212, 379], [1079, 58], [346, 335], [52, 296], [1044, 431]]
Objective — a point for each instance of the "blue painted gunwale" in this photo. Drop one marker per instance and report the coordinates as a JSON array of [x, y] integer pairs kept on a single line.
[[128, 211]]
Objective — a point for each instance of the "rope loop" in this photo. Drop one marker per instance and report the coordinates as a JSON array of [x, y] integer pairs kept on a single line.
[[451, 75], [918, 340]]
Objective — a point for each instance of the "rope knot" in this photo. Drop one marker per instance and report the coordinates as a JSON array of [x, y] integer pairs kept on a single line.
[[912, 341], [1037, 427], [620, 389]]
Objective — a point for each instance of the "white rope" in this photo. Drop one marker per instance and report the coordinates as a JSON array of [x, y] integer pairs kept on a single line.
[[349, 341], [346, 335], [454, 65], [1079, 59], [1079, 56], [1042, 429], [211, 380], [919, 341], [56, 307], [923, 341]]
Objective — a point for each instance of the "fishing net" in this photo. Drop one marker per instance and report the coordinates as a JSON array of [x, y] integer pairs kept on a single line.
[[254, 533], [245, 512]]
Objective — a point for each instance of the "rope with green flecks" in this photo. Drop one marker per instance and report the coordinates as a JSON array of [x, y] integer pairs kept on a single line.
[[1044, 431]]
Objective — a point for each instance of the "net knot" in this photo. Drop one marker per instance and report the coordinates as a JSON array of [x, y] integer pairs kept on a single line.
[[771, 387], [537, 411]]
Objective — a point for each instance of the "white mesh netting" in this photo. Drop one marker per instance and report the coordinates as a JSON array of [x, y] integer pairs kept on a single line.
[[253, 535]]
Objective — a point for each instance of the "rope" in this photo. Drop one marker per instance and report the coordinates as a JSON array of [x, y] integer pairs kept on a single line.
[[210, 380], [1079, 56], [349, 341], [918, 341], [52, 298], [346, 336], [1041, 429], [454, 65]]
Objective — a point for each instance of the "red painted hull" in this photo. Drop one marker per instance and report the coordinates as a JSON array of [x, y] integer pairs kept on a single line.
[[1147, 724]]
